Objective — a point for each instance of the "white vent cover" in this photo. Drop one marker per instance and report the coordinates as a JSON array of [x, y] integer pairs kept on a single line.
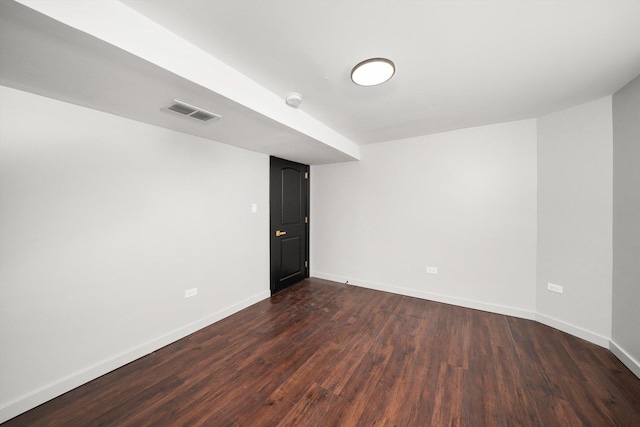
[[189, 110]]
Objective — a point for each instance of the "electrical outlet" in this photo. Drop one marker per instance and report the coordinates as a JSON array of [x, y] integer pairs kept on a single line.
[[554, 288], [254, 208], [191, 292], [432, 270]]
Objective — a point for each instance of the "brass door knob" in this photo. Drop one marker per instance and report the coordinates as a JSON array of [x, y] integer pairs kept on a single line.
[[280, 233]]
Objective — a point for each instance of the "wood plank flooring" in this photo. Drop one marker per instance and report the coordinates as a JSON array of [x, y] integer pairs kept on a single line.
[[326, 354]]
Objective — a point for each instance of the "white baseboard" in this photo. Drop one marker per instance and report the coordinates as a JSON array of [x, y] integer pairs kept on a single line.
[[576, 331], [477, 305], [50, 391], [619, 352], [626, 358], [63, 385]]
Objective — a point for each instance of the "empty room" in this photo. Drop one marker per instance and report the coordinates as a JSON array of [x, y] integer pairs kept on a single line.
[[319, 213]]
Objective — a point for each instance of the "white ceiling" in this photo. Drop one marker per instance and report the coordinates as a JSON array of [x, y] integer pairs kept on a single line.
[[459, 64]]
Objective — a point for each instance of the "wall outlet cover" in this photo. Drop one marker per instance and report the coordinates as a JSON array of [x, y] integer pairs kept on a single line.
[[554, 288], [432, 270]]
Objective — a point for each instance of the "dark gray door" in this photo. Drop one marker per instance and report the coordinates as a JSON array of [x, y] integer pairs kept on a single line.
[[289, 212]]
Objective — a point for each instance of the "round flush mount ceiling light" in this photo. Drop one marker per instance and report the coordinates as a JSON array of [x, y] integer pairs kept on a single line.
[[373, 71]]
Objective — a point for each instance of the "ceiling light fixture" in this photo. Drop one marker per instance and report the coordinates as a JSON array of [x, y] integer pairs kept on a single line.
[[373, 71]]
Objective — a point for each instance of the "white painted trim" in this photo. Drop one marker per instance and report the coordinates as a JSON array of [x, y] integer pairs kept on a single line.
[[478, 305], [576, 331], [462, 302], [48, 392], [619, 352], [63, 385], [625, 357]]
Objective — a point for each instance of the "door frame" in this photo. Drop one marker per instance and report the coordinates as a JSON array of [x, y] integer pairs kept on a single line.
[[307, 208]]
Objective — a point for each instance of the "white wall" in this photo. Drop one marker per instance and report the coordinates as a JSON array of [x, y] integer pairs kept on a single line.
[[626, 225], [575, 170], [104, 222], [462, 201]]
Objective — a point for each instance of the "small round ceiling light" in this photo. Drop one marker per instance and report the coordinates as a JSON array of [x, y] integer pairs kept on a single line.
[[373, 71]]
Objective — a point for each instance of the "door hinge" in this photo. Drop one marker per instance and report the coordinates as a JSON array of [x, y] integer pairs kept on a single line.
[[306, 175], [306, 264], [306, 220]]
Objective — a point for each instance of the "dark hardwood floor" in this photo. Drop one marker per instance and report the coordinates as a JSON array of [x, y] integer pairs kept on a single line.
[[326, 354]]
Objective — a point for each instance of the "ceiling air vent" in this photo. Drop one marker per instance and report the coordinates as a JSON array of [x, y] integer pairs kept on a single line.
[[190, 111]]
